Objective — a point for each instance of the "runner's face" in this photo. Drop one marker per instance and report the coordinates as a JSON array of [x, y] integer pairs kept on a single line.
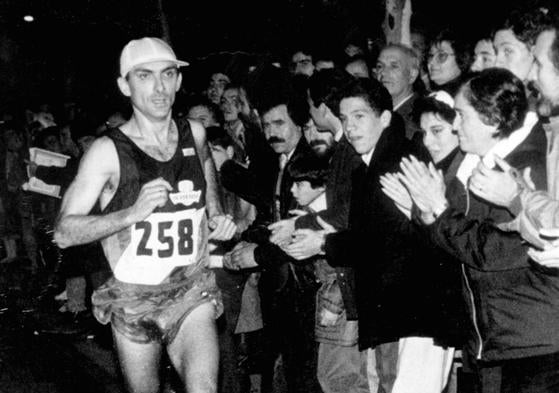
[[152, 88]]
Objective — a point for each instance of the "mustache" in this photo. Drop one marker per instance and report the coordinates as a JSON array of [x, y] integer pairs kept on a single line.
[[275, 139]]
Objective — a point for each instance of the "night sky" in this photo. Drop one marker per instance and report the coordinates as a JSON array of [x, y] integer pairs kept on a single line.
[[71, 49]]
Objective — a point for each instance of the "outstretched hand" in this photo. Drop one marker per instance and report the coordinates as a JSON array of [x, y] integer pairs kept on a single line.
[[282, 231], [241, 257], [222, 227], [306, 243]]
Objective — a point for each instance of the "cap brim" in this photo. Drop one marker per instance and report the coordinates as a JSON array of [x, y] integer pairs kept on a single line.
[[181, 63]]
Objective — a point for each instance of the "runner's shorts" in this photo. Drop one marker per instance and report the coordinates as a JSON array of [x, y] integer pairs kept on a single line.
[[148, 313]]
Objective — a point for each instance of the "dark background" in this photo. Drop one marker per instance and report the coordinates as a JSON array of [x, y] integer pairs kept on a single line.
[[70, 51]]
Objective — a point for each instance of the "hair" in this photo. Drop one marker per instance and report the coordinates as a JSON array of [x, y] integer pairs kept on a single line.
[[325, 54], [370, 90], [498, 96], [438, 108], [325, 84], [218, 136], [310, 168], [526, 24], [200, 100], [292, 96], [409, 52], [461, 48]]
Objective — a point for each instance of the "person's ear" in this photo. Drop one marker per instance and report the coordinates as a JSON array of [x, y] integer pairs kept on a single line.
[[385, 118], [123, 86], [414, 73], [179, 82]]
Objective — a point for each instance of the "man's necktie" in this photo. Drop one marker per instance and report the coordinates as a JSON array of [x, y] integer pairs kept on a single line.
[[277, 194]]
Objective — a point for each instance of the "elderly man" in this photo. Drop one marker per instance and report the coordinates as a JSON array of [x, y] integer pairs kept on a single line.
[[537, 212], [155, 183], [397, 69]]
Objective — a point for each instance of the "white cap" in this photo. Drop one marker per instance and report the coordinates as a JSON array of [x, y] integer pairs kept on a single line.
[[146, 50]]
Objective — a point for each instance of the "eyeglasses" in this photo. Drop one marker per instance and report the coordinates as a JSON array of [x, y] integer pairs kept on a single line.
[[440, 57]]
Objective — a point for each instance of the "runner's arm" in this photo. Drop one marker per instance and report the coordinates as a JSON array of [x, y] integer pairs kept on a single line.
[[74, 226]]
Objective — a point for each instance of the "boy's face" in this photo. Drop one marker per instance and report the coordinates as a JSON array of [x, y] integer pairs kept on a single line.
[[303, 193], [221, 154]]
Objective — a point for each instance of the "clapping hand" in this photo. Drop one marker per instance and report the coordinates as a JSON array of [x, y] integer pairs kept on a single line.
[[425, 185], [396, 191]]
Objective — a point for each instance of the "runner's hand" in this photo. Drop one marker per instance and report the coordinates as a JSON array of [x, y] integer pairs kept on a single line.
[[152, 195]]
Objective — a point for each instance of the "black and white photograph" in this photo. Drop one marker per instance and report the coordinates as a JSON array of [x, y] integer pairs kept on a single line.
[[279, 196]]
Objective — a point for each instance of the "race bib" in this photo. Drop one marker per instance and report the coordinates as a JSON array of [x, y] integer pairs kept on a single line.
[[159, 244]]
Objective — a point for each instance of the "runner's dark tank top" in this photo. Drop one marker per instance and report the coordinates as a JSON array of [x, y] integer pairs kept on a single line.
[[172, 240]]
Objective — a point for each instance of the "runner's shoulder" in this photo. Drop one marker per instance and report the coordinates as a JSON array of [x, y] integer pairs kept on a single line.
[[102, 155]]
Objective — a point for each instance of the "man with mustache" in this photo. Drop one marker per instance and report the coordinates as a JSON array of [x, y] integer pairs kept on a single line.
[[155, 184], [287, 289]]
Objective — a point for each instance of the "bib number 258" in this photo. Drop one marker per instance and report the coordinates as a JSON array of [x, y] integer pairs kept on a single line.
[[169, 235]]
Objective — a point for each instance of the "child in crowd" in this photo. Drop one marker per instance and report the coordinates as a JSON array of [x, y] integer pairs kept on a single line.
[[332, 329]]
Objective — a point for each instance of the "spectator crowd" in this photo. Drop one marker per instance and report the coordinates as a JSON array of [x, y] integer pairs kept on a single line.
[[396, 212]]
